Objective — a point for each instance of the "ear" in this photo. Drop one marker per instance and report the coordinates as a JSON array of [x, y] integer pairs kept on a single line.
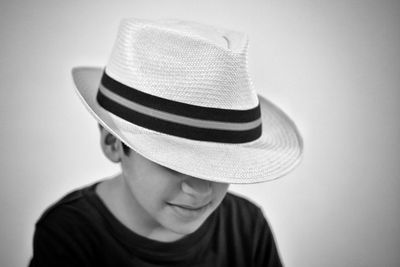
[[110, 145]]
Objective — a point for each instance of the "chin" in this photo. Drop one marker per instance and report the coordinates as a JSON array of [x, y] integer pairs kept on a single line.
[[184, 222], [185, 228]]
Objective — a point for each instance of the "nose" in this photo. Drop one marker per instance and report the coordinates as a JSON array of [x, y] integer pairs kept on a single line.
[[196, 187]]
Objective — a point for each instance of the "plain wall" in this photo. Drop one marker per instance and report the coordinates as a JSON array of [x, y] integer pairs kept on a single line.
[[333, 66]]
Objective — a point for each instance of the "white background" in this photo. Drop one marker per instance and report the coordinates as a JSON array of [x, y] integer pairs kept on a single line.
[[333, 66]]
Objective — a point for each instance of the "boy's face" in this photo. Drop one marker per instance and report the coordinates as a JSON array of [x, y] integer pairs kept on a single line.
[[169, 200]]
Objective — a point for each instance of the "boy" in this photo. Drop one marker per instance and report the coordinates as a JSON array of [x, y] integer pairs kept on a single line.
[[177, 111]]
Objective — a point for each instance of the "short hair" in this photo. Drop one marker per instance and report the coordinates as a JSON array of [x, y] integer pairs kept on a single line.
[[125, 148]]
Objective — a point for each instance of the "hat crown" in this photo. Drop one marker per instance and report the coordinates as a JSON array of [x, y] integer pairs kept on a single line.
[[184, 61]]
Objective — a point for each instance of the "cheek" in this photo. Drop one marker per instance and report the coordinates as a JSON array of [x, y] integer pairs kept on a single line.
[[152, 192], [220, 190]]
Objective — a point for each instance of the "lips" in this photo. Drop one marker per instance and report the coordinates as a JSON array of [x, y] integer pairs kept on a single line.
[[189, 207], [189, 211]]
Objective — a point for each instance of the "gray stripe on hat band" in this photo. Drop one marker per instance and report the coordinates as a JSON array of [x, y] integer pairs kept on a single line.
[[232, 126]]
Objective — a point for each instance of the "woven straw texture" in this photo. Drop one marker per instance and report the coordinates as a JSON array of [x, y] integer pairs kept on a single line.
[[203, 66]]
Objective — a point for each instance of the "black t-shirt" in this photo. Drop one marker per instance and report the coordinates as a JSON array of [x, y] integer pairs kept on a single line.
[[79, 230]]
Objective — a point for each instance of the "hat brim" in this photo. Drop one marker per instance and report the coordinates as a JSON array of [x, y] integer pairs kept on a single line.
[[273, 155]]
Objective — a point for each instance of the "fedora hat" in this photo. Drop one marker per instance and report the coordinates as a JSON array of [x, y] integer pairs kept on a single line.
[[179, 94]]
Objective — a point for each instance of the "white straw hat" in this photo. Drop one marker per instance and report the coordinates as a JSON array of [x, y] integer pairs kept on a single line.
[[179, 94]]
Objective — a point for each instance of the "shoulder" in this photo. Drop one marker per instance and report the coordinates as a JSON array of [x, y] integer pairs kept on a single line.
[[235, 203], [72, 209], [246, 232], [66, 232], [240, 212]]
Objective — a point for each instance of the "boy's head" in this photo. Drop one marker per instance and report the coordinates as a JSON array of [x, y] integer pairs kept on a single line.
[[163, 198], [179, 95]]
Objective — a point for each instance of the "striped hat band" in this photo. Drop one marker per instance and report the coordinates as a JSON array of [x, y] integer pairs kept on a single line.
[[177, 118]]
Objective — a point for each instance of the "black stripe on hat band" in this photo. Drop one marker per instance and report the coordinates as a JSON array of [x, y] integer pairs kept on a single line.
[[234, 126], [177, 129], [179, 108]]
